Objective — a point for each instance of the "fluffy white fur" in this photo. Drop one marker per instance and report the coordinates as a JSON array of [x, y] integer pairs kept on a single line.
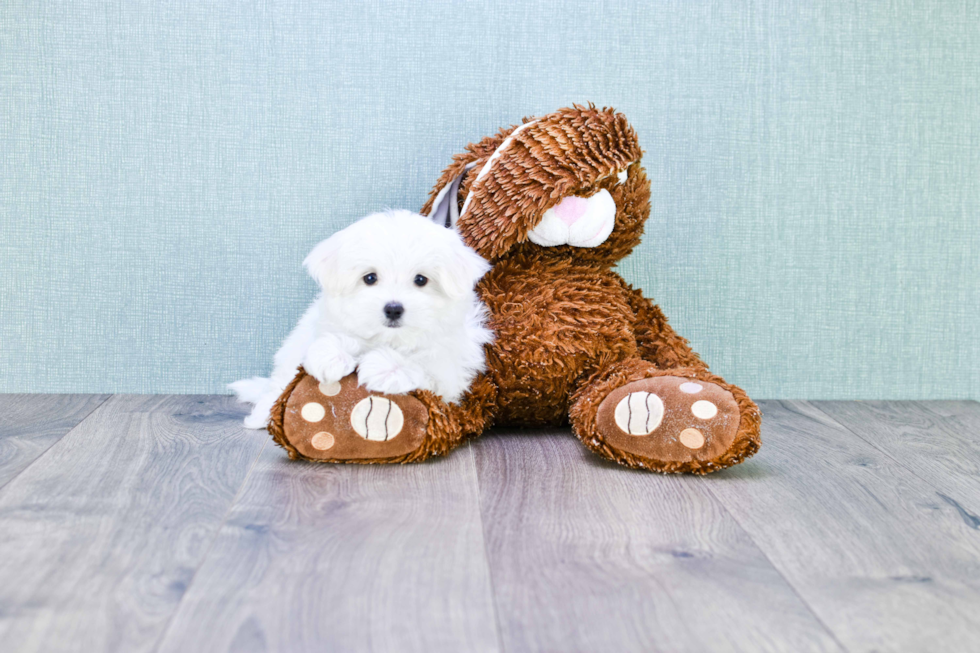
[[436, 344]]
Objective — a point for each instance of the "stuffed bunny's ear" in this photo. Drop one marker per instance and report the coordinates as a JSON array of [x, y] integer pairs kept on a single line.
[[445, 210]]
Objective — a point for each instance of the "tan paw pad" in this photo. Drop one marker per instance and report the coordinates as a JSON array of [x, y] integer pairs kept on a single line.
[[692, 438], [322, 441]]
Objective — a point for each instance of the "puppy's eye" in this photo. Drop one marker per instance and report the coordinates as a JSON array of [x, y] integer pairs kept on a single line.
[[371, 279], [420, 280]]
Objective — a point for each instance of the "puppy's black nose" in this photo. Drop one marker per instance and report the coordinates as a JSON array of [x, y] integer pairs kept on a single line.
[[394, 310]]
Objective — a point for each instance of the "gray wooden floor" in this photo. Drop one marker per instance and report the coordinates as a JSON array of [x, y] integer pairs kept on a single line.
[[156, 523]]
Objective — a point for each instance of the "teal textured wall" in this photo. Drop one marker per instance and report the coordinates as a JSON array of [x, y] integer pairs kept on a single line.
[[164, 168]]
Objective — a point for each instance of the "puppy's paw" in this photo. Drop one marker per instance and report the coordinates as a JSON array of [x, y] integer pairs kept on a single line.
[[327, 362], [382, 370]]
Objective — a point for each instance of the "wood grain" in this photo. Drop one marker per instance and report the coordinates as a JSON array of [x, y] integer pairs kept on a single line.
[[345, 558], [30, 424], [100, 537], [873, 549], [157, 522], [586, 555], [939, 441]]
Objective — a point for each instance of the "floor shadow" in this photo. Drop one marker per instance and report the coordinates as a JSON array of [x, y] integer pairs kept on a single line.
[[751, 469]]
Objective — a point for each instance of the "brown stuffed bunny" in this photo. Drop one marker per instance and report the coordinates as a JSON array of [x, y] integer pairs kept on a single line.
[[553, 204]]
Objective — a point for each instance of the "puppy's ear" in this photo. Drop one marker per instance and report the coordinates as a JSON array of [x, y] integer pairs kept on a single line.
[[461, 270], [324, 265]]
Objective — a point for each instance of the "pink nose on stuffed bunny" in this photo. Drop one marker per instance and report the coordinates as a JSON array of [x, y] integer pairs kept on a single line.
[[570, 209]]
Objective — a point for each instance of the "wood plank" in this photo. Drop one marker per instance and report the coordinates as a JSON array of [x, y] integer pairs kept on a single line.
[[586, 555], [100, 537], [874, 550], [30, 424], [345, 558], [939, 441]]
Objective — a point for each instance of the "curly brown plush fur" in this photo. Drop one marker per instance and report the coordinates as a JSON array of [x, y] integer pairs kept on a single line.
[[570, 332]]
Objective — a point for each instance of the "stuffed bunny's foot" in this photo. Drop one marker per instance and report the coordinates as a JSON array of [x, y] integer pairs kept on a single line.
[[670, 418], [341, 421], [682, 420]]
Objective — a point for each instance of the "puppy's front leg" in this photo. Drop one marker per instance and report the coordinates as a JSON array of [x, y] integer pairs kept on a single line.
[[331, 357], [385, 370]]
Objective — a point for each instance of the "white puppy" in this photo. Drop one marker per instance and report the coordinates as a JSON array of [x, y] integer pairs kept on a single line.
[[397, 305]]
